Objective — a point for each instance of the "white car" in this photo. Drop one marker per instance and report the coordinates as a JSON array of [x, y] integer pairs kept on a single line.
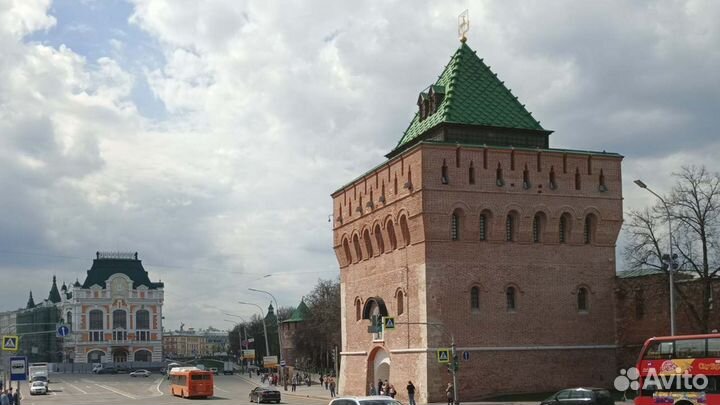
[[370, 400], [140, 373], [38, 387]]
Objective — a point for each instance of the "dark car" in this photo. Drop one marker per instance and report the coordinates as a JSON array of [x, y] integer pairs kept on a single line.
[[264, 394], [107, 370], [580, 396]]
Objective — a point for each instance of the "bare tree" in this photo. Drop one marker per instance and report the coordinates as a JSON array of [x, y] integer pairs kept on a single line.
[[694, 206], [319, 334]]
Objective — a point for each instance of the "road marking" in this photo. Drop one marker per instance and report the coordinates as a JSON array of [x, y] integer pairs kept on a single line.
[[75, 386], [220, 389], [125, 394], [157, 387]]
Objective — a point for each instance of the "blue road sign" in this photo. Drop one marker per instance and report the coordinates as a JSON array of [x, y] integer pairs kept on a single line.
[[63, 331], [466, 355], [18, 368]]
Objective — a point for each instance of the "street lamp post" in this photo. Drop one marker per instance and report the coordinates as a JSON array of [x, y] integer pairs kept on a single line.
[[242, 337], [670, 258], [277, 317], [267, 347]]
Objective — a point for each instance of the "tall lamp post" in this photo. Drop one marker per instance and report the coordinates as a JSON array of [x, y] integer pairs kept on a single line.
[[277, 317], [242, 337], [267, 347], [670, 259]]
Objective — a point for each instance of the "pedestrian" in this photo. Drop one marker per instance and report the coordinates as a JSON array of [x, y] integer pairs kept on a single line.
[[391, 391], [380, 390], [450, 394], [411, 393], [332, 387], [327, 385], [11, 397], [16, 397], [294, 383], [4, 400], [321, 380], [372, 389]]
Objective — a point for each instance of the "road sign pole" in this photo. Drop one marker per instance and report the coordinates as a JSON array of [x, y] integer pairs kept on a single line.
[[454, 371]]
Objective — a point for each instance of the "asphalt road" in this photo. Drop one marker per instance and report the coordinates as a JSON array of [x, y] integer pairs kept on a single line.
[[81, 389]]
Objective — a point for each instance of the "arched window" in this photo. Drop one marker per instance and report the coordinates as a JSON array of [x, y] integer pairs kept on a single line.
[[119, 319], [444, 174], [474, 298], [142, 319], [589, 229], [601, 179], [484, 218], [346, 250], [96, 320], [400, 303], [537, 226], [379, 239], [471, 173], [358, 310], [510, 223], [577, 179], [68, 318], [405, 229], [143, 356], [553, 184], [358, 251], [564, 231], [455, 226], [391, 235], [510, 299], [368, 243], [582, 299], [499, 176]]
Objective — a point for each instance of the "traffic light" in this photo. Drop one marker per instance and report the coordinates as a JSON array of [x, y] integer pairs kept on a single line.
[[456, 363]]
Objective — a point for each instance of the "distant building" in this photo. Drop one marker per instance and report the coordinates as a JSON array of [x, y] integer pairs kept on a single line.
[[289, 328], [115, 314], [187, 344]]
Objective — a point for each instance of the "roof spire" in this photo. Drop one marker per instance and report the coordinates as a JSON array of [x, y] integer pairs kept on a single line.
[[463, 25], [31, 302], [54, 296]]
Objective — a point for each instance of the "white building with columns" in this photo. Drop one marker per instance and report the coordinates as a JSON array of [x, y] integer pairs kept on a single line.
[[115, 314]]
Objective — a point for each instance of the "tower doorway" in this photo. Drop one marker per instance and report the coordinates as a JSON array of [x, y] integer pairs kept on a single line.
[[378, 368]]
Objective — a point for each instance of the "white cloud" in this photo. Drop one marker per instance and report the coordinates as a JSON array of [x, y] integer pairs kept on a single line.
[[271, 107]]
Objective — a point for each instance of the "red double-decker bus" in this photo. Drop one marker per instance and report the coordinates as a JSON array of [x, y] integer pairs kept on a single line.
[[680, 370]]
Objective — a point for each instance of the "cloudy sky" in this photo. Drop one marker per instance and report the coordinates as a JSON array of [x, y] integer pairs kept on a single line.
[[208, 135]]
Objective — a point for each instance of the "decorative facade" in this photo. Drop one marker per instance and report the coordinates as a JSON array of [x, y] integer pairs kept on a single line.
[[115, 314], [475, 229]]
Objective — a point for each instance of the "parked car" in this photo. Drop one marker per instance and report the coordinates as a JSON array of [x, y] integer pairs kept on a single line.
[[140, 373], [107, 370], [264, 394], [38, 387], [96, 367], [580, 396], [214, 370], [369, 400]]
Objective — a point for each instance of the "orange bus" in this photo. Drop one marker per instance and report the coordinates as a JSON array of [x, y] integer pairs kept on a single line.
[[191, 382], [679, 370]]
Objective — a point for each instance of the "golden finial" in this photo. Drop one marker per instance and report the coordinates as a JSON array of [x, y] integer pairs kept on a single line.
[[463, 25]]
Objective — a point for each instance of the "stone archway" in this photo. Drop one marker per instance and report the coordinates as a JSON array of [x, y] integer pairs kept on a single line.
[[143, 355], [120, 356], [378, 367]]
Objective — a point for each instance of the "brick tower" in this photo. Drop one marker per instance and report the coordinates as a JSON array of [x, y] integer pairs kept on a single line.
[[475, 223]]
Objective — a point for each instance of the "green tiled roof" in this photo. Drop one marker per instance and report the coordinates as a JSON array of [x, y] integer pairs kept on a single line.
[[473, 95], [301, 313]]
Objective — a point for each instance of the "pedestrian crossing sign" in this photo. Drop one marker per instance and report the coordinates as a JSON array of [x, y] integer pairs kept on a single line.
[[443, 355], [389, 322], [10, 343]]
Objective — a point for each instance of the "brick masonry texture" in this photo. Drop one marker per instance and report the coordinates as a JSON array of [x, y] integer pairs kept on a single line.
[[433, 275]]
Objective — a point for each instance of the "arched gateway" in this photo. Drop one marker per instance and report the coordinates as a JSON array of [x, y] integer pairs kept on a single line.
[[378, 367]]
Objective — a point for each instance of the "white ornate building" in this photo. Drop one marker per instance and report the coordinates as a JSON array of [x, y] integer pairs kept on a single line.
[[115, 314]]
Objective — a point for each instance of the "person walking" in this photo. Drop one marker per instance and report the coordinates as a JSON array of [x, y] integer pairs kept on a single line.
[[4, 400], [327, 385], [16, 397], [372, 389], [450, 394], [380, 390], [332, 387], [294, 383], [411, 393], [11, 398], [391, 391]]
